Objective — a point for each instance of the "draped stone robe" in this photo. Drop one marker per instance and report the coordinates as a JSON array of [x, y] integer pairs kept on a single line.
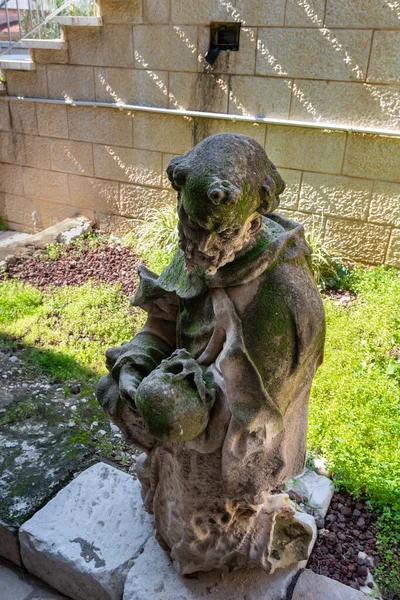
[[258, 325]]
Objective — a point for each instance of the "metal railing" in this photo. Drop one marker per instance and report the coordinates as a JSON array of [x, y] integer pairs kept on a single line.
[[35, 18]]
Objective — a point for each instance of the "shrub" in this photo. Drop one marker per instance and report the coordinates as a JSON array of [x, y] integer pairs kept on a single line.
[[327, 265]]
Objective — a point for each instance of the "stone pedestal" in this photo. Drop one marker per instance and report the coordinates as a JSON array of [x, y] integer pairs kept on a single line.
[[94, 541]]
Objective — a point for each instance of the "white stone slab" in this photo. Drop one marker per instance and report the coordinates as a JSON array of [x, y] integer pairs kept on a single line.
[[154, 577], [85, 540], [80, 21], [316, 488], [311, 586], [16, 585], [44, 44], [14, 63]]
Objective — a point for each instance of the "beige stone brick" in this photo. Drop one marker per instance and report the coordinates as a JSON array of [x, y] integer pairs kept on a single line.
[[127, 164], [290, 197], [11, 180], [166, 159], [23, 117], [335, 195], [5, 122], [385, 204], [29, 150], [308, 149], [309, 221], [50, 213], [121, 11], [254, 12], [163, 133], [41, 56], [52, 120], [362, 13], [100, 125], [385, 57], [46, 185], [94, 194], [260, 97], [107, 46], [234, 63], [20, 210], [28, 84], [358, 241], [309, 53], [2, 205], [135, 86], [117, 225], [164, 47], [69, 83], [205, 127], [7, 152], [393, 254], [305, 13], [37, 214], [156, 11], [346, 103], [72, 157], [136, 200], [372, 156], [198, 91]]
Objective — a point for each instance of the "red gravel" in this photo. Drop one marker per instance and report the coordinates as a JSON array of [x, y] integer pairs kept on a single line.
[[111, 263], [349, 528]]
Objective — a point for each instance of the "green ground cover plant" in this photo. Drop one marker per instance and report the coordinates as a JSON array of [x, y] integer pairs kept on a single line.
[[355, 404], [76, 323]]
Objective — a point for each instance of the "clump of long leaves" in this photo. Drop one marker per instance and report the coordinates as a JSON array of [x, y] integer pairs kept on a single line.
[[327, 264], [156, 238]]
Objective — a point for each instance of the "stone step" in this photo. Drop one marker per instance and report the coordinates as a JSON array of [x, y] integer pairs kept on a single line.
[[15, 584], [79, 21], [86, 539], [44, 44], [17, 62]]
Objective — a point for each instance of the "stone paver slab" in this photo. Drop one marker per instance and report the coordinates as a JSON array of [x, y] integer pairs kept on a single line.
[[85, 540], [311, 586], [17, 585]]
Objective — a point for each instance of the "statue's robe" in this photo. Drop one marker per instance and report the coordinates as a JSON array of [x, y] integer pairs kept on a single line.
[[258, 324]]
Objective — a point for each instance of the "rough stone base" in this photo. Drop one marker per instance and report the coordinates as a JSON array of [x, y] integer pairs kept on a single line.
[[153, 576], [85, 540]]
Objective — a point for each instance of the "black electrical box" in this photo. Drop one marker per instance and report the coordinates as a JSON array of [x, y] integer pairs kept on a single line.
[[225, 36]]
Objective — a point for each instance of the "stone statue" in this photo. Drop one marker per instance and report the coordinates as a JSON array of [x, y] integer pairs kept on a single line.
[[215, 387]]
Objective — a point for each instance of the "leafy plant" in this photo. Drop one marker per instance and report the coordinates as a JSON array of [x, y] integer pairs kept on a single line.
[[326, 263], [157, 236], [3, 226]]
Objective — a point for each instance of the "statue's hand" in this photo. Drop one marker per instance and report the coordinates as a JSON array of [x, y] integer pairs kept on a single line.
[[129, 380]]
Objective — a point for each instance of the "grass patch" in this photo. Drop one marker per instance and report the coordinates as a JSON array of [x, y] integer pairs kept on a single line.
[[68, 330], [355, 403]]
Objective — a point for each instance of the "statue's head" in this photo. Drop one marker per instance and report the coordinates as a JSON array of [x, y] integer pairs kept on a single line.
[[225, 185]]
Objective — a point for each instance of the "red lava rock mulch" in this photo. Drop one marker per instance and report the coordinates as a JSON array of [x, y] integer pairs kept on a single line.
[[348, 530], [111, 263]]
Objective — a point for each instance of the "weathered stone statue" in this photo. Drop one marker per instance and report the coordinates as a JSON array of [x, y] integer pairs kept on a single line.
[[215, 387]]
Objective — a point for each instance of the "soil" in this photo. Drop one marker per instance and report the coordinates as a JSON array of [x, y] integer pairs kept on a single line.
[[108, 262], [349, 529]]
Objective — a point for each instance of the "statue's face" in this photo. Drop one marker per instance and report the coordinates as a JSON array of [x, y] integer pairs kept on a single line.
[[211, 246]]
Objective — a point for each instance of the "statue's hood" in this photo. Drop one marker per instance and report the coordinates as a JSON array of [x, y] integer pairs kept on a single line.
[[279, 240]]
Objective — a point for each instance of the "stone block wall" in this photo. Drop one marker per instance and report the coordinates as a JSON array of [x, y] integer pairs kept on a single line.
[[329, 61]]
